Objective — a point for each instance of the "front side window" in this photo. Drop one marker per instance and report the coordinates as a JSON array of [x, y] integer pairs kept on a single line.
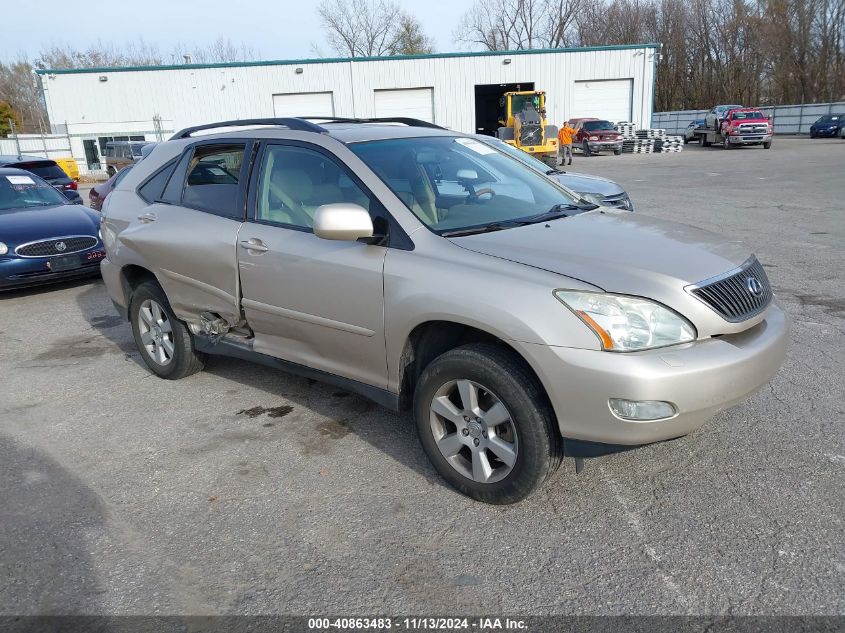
[[455, 183], [213, 179], [295, 181]]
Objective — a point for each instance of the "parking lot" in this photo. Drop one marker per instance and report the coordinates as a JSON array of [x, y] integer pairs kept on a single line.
[[245, 490]]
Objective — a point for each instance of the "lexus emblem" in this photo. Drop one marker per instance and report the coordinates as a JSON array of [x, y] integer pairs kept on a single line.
[[754, 286], [61, 246]]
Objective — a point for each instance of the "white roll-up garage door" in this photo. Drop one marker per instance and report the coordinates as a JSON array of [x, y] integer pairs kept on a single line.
[[304, 104], [417, 103], [609, 99]]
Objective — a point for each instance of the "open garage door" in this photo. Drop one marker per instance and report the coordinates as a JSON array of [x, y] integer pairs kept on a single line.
[[304, 104], [610, 99], [417, 103]]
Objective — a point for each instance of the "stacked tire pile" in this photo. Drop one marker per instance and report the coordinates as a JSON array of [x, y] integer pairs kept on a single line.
[[649, 141]]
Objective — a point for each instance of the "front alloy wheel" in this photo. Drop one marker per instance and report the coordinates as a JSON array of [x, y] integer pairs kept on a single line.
[[486, 423], [474, 431]]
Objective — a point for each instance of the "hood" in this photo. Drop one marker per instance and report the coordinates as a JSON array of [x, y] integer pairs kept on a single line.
[[602, 133], [583, 183], [43, 223], [617, 251]]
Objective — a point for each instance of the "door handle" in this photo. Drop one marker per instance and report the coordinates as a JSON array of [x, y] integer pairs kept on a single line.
[[255, 245], [146, 218]]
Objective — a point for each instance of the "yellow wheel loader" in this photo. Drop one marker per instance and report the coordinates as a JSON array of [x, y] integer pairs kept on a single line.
[[524, 125]]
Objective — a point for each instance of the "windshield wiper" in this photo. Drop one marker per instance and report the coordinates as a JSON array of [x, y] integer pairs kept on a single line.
[[556, 212], [488, 228]]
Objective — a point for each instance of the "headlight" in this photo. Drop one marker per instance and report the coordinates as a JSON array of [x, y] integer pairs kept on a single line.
[[594, 138], [595, 198], [626, 324], [3, 248]]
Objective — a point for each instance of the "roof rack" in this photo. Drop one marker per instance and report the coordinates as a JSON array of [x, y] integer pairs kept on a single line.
[[410, 122], [290, 123]]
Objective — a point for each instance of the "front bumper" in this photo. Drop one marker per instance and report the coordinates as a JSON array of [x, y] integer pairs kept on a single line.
[[20, 272], [749, 139], [700, 379], [597, 146], [830, 132]]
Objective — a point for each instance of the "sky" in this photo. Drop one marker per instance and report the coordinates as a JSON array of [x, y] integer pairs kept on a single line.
[[275, 29]]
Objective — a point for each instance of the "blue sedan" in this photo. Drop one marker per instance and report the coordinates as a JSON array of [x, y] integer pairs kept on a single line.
[[43, 237]]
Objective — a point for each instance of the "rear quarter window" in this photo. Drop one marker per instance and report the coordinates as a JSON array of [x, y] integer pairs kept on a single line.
[[152, 188]]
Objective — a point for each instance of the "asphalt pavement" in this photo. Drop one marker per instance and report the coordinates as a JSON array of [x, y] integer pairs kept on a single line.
[[243, 490]]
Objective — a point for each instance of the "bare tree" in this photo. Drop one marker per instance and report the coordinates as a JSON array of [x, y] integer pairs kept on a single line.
[[519, 24], [410, 39], [360, 28], [21, 89]]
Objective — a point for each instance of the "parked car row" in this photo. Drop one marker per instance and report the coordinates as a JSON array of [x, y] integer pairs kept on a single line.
[[48, 170], [722, 118], [43, 236]]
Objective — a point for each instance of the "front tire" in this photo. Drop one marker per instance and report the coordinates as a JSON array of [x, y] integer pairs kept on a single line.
[[585, 147], [767, 145], [485, 423], [164, 341], [111, 171]]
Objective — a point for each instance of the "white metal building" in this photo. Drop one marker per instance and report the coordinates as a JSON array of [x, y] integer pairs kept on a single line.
[[457, 90]]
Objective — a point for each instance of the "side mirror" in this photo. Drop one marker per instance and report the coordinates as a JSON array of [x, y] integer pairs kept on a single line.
[[343, 221]]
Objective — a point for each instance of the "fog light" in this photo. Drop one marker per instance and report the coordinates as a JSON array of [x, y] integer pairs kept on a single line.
[[641, 410]]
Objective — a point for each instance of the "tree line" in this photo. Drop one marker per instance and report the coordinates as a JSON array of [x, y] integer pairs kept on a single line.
[[761, 52]]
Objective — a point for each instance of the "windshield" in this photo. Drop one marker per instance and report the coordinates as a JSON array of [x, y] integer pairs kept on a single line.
[[520, 102], [747, 116], [452, 183], [594, 126], [829, 118], [25, 191]]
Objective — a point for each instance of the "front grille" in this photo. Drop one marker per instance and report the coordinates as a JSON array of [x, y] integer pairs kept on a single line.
[[750, 128], [737, 295], [530, 134], [619, 201], [57, 246]]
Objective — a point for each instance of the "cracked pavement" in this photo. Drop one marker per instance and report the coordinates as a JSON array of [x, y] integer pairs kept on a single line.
[[243, 490]]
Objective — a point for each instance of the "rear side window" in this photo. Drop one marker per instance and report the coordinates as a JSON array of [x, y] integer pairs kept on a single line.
[[46, 169], [213, 182], [152, 189]]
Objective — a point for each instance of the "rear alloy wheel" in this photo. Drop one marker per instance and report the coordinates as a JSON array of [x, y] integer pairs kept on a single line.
[[164, 341], [485, 423]]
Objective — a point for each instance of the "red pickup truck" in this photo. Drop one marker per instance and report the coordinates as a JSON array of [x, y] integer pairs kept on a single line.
[[740, 126]]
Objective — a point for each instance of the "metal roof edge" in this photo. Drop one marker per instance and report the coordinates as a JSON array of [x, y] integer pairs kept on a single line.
[[337, 60]]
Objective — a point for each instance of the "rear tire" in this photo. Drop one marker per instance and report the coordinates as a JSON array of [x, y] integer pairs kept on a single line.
[[485, 423], [164, 342]]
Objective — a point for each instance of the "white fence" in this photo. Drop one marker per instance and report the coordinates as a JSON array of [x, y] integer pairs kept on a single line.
[[45, 145], [788, 119]]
